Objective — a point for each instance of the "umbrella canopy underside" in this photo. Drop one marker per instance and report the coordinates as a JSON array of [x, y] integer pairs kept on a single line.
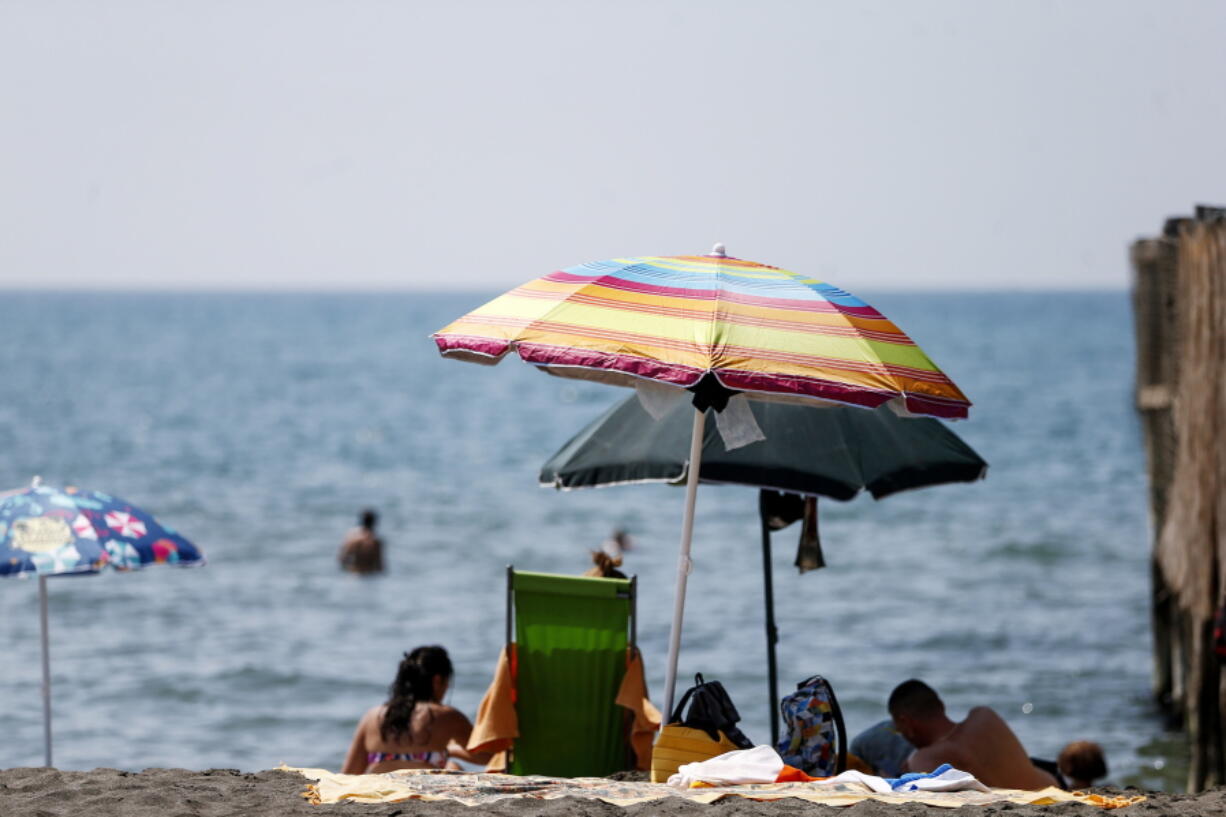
[[674, 320], [830, 451]]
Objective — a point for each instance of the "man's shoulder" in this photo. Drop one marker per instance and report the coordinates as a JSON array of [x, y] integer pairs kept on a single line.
[[983, 726], [983, 714]]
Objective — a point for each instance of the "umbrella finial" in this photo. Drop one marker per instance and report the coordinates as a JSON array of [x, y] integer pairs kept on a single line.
[[34, 483], [718, 251]]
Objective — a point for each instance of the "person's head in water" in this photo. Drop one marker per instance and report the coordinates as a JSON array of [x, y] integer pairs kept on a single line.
[[617, 544], [369, 519], [1081, 763], [422, 677], [918, 713]]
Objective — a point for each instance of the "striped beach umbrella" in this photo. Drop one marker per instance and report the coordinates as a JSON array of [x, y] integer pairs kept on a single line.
[[717, 326]]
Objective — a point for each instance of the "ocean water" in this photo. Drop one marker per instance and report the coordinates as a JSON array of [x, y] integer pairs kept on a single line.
[[259, 425]]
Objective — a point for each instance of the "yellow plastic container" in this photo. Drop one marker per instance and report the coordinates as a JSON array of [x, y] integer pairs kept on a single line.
[[678, 745]]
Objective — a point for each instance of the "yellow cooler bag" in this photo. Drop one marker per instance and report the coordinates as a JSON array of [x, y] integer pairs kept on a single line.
[[693, 737], [678, 745]]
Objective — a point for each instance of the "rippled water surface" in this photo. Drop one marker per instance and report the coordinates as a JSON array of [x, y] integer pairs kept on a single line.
[[259, 425]]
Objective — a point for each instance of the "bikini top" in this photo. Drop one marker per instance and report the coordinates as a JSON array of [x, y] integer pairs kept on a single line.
[[437, 760]]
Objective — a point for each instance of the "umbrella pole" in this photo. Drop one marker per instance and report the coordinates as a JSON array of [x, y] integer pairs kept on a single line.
[[683, 559], [772, 634], [42, 616]]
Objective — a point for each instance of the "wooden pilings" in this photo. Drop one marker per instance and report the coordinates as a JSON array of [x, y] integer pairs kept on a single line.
[[1179, 299]]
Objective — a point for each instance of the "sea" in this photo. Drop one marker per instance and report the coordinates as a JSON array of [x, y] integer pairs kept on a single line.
[[260, 425]]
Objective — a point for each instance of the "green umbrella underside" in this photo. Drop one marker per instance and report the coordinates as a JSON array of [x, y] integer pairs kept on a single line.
[[826, 450], [832, 451]]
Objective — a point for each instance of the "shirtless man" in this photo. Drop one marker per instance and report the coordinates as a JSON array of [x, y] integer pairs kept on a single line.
[[982, 744], [362, 551]]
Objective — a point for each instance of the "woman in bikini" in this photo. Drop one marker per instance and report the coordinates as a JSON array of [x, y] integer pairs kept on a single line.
[[414, 729]]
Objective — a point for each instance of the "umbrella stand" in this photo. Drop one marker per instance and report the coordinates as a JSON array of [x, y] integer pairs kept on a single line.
[[772, 633], [42, 617], [683, 559]]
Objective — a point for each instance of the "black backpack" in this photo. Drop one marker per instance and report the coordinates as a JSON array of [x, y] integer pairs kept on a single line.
[[712, 711]]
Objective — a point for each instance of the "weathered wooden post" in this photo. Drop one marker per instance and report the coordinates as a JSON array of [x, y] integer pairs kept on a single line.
[[1180, 307], [1153, 292]]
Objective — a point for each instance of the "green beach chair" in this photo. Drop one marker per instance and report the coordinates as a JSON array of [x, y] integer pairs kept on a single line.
[[571, 638]]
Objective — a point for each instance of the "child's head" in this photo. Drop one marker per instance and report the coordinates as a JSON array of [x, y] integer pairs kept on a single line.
[[1081, 763]]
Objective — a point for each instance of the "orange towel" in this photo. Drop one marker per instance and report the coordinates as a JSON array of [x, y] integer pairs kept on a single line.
[[633, 696], [497, 725], [791, 774]]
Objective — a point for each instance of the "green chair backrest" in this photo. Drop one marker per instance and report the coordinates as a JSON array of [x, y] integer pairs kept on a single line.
[[571, 640]]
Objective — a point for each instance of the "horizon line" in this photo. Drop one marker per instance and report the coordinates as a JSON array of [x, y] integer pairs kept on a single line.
[[122, 289]]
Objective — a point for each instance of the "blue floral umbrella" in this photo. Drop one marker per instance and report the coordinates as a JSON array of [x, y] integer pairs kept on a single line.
[[46, 531]]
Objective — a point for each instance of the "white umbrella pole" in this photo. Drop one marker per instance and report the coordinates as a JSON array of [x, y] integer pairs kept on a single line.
[[683, 560], [42, 616]]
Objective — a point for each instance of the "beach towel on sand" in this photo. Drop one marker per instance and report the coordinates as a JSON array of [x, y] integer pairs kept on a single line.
[[762, 764], [486, 789]]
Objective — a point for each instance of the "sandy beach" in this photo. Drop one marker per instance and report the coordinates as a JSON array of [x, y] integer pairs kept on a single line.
[[498, 288], [39, 792]]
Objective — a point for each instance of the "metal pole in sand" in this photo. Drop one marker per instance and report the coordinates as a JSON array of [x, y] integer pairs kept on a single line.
[[42, 615], [683, 559], [772, 632]]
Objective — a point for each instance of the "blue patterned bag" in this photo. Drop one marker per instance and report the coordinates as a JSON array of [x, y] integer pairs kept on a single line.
[[816, 740]]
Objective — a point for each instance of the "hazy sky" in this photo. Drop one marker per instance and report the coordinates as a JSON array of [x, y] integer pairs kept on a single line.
[[357, 144]]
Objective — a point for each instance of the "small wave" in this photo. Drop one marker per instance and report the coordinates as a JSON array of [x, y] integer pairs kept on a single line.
[[252, 678], [962, 642], [1041, 551]]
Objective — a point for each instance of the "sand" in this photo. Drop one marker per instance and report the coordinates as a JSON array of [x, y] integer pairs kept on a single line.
[[39, 792]]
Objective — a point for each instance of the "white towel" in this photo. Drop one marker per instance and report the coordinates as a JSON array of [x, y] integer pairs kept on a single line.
[[761, 764], [948, 780]]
